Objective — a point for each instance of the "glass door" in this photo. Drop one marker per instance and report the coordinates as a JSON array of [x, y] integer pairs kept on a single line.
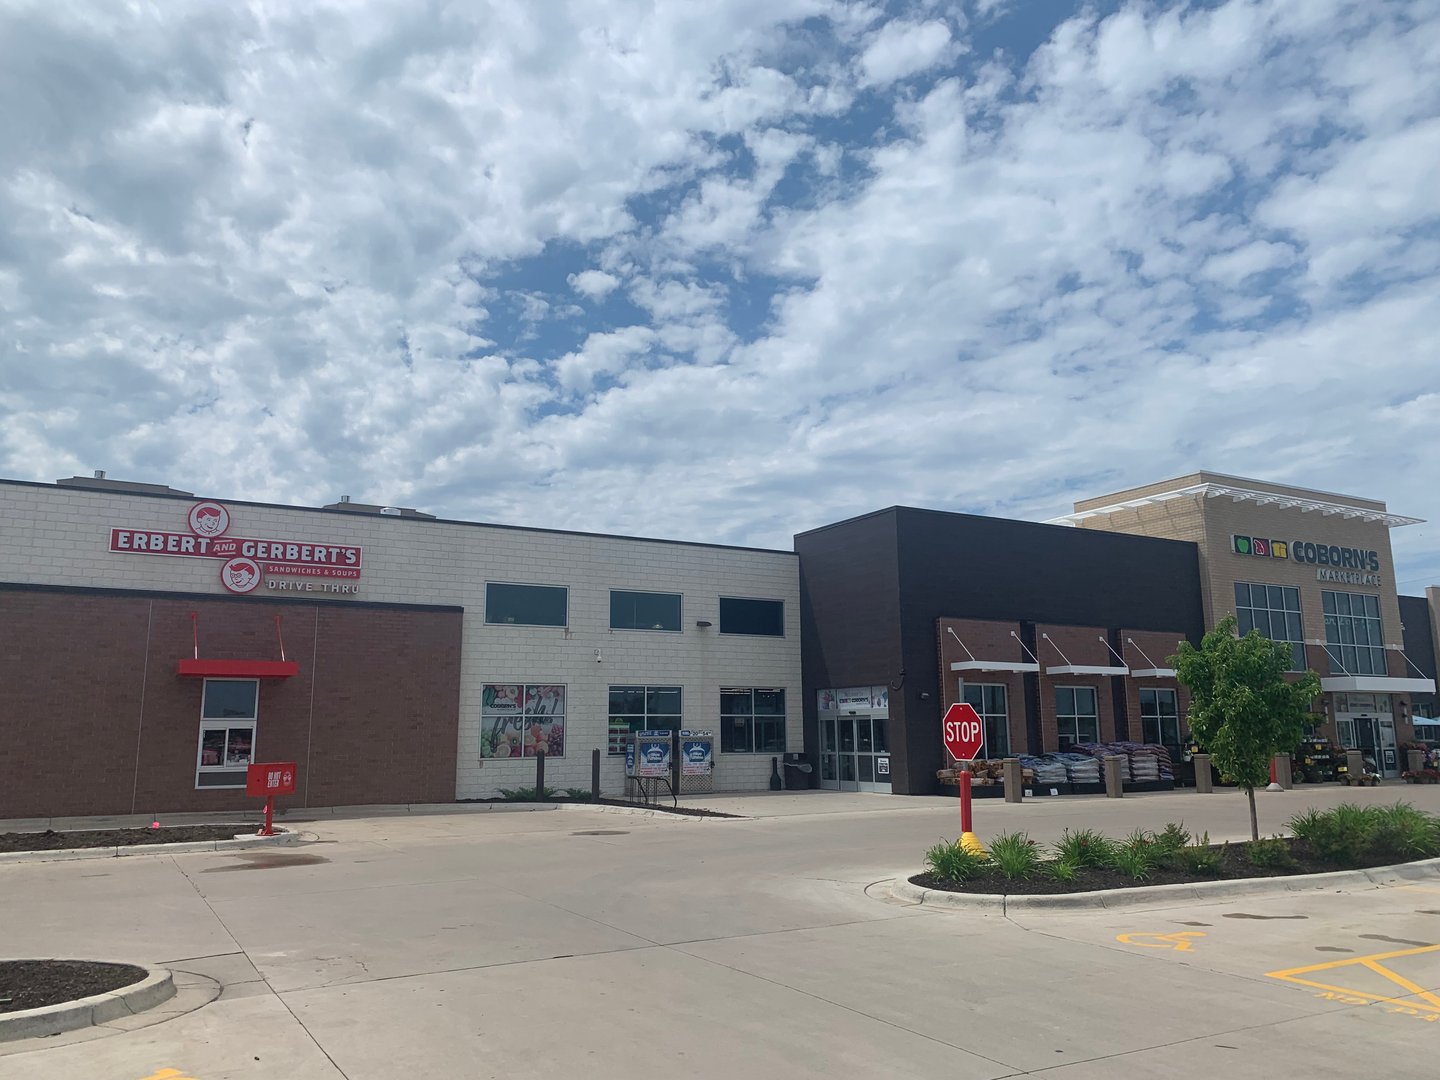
[[849, 765], [829, 747]]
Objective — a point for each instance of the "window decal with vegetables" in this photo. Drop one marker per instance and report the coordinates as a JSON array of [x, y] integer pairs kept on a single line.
[[522, 720]]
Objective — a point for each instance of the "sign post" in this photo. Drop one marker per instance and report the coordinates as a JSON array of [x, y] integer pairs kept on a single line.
[[266, 781], [964, 735]]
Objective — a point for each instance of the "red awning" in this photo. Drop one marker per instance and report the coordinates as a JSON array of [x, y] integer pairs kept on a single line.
[[237, 669]]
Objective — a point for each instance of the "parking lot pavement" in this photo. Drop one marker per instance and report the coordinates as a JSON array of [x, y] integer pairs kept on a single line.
[[519, 945]]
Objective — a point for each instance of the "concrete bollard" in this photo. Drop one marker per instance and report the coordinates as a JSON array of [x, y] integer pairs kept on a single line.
[[1114, 777], [1014, 780], [1283, 775], [1204, 781], [1354, 765], [1414, 760]]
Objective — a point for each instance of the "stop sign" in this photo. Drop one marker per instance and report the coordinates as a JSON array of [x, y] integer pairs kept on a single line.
[[964, 733]]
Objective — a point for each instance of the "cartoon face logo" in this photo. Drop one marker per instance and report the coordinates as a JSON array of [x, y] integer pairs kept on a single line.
[[209, 519], [240, 575]]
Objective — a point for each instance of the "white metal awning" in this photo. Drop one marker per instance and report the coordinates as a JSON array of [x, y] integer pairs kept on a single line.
[[1375, 684], [1085, 669], [1153, 673], [993, 665]]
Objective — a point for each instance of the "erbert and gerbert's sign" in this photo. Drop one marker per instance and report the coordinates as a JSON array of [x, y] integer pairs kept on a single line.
[[246, 561]]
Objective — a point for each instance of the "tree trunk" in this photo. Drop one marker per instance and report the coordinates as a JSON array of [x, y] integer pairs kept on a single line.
[[1254, 822]]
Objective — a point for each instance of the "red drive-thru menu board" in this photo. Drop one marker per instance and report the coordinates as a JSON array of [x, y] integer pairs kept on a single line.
[[270, 778]]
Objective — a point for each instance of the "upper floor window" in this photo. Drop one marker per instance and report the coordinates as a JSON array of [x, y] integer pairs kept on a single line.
[[644, 610], [1352, 633], [764, 618], [1274, 610], [526, 605]]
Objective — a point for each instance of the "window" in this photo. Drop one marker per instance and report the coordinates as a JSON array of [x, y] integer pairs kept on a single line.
[[526, 605], [752, 721], [644, 610], [764, 618], [1159, 716], [227, 732], [989, 700], [1274, 610], [1352, 633], [522, 720], [642, 708], [1077, 716]]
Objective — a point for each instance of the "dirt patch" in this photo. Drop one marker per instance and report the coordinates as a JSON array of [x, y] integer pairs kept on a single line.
[[49, 840], [1234, 865], [31, 984]]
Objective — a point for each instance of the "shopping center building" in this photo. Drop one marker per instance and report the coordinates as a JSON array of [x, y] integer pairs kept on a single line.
[[153, 643]]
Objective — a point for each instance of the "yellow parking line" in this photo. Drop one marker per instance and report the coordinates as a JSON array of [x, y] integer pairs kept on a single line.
[[1371, 963]]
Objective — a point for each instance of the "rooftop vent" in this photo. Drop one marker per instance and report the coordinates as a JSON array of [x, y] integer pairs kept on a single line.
[[390, 511]]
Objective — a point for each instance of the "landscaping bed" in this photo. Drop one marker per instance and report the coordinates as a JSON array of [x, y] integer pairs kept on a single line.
[[50, 840], [32, 984], [578, 795], [1348, 837]]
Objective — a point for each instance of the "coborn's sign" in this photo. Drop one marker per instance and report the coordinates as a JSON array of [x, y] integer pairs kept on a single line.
[[1356, 566], [247, 561]]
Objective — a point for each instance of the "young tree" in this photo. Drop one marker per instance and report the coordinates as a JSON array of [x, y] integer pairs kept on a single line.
[[1243, 709]]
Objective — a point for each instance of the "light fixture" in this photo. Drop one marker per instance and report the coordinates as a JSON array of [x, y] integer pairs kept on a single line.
[[703, 623], [900, 682]]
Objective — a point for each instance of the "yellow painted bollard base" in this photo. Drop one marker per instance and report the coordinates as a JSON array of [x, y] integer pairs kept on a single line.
[[971, 843]]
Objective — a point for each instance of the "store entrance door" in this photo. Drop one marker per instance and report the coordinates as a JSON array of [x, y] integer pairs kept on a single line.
[[855, 751], [1374, 737]]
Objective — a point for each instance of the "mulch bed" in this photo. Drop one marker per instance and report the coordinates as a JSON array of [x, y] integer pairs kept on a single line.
[[49, 840], [31, 984], [683, 811], [1236, 865]]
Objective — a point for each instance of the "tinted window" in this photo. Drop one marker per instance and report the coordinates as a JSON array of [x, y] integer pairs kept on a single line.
[[762, 617], [225, 699], [525, 605], [644, 611]]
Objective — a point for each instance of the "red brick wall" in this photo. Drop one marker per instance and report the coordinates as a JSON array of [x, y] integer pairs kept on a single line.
[[987, 641], [95, 720], [1159, 647]]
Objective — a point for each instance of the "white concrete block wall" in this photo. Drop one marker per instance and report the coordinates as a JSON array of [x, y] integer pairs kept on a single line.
[[60, 536]]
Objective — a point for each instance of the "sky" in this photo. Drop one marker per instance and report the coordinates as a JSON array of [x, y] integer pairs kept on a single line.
[[723, 271]]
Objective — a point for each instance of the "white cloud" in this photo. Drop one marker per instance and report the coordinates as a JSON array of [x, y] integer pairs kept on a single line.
[[901, 49], [266, 252], [593, 284]]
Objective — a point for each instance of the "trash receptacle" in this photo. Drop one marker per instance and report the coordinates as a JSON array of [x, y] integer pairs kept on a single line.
[[797, 772]]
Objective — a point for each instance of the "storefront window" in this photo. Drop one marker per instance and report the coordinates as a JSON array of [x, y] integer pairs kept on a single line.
[[990, 701], [644, 610], [1274, 610], [1159, 716], [1077, 715], [642, 708], [765, 618], [227, 732], [526, 605], [752, 720], [1352, 633], [522, 720]]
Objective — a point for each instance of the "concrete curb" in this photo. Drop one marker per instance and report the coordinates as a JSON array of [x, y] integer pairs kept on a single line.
[[1163, 895], [157, 986], [282, 838]]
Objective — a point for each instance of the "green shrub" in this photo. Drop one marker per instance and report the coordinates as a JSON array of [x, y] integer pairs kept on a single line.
[[1171, 839], [1062, 870], [1133, 862], [1015, 855], [1305, 826], [579, 794], [951, 862], [1084, 847], [1200, 858], [526, 794], [1271, 855], [1403, 832]]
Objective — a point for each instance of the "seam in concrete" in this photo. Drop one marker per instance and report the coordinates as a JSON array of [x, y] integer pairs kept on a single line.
[[157, 986], [240, 843], [1157, 895]]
